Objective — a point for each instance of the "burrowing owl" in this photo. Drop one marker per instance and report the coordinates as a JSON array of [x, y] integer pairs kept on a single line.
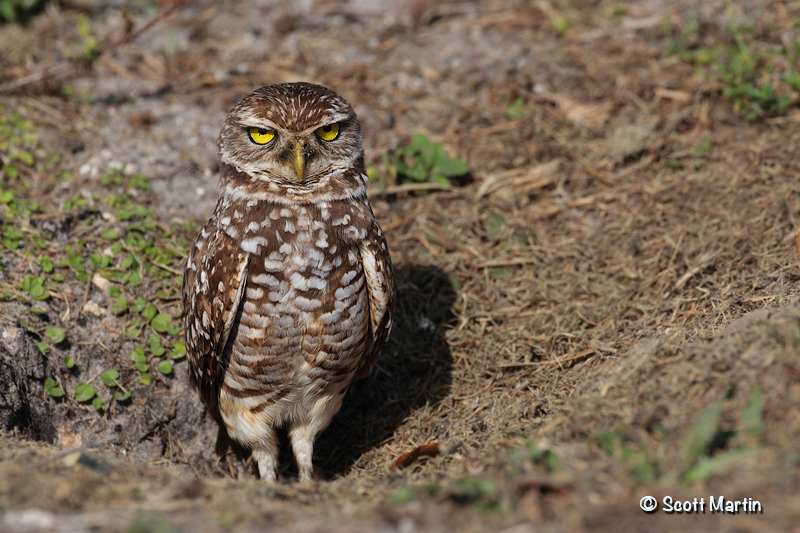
[[288, 290]]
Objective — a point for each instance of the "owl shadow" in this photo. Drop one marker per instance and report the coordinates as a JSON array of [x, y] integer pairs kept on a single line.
[[413, 370]]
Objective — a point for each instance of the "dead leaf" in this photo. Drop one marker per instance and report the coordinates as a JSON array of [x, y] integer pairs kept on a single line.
[[627, 141], [670, 94], [593, 116], [520, 182], [424, 450]]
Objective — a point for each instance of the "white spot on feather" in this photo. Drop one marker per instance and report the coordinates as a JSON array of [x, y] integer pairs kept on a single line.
[[341, 221], [253, 243], [266, 279], [307, 305], [254, 294], [348, 277]]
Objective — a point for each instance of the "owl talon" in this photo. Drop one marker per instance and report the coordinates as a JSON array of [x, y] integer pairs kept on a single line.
[[231, 469]]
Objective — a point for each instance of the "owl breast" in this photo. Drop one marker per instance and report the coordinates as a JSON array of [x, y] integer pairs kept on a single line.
[[303, 320]]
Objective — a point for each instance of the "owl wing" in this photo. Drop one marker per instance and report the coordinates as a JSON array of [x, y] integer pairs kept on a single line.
[[380, 283], [212, 289]]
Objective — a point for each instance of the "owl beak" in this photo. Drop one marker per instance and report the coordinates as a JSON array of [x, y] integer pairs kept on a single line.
[[299, 159]]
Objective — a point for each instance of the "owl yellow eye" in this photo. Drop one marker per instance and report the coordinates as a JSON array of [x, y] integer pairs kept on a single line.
[[261, 135], [328, 133]]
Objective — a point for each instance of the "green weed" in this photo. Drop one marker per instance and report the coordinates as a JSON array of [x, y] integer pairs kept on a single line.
[[678, 44], [52, 390], [84, 392], [127, 246], [518, 109], [13, 10], [90, 46], [641, 465], [532, 454], [420, 162], [705, 450], [757, 85], [479, 494]]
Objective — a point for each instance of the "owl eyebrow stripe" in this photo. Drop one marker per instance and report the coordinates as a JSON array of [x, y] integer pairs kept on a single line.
[[247, 124]]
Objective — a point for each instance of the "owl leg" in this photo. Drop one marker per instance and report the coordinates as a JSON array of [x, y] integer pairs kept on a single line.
[[303, 434], [265, 452], [303, 447]]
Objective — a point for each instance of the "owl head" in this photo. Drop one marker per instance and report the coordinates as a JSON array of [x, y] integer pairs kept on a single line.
[[291, 138]]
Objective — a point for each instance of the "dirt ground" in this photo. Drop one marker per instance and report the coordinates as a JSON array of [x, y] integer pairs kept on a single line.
[[605, 308]]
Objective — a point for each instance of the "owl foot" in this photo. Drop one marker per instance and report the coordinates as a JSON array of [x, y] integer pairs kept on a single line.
[[303, 447], [265, 453]]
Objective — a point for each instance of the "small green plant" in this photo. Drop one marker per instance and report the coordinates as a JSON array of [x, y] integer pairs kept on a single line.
[[111, 379], [746, 70], [153, 523], [178, 350], [641, 466], [758, 101], [421, 161], [52, 390], [165, 367], [678, 44], [559, 22], [139, 358], [705, 450], [163, 323], [84, 392], [156, 348], [12, 10], [116, 176], [481, 495], [696, 454], [90, 47], [34, 286], [618, 12], [703, 147], [494, 224], [55, 335], [137, 255], [532, 454], [517, 109]]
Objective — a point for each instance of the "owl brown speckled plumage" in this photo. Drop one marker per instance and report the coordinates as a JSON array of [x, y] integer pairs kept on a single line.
[[288, 290]]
